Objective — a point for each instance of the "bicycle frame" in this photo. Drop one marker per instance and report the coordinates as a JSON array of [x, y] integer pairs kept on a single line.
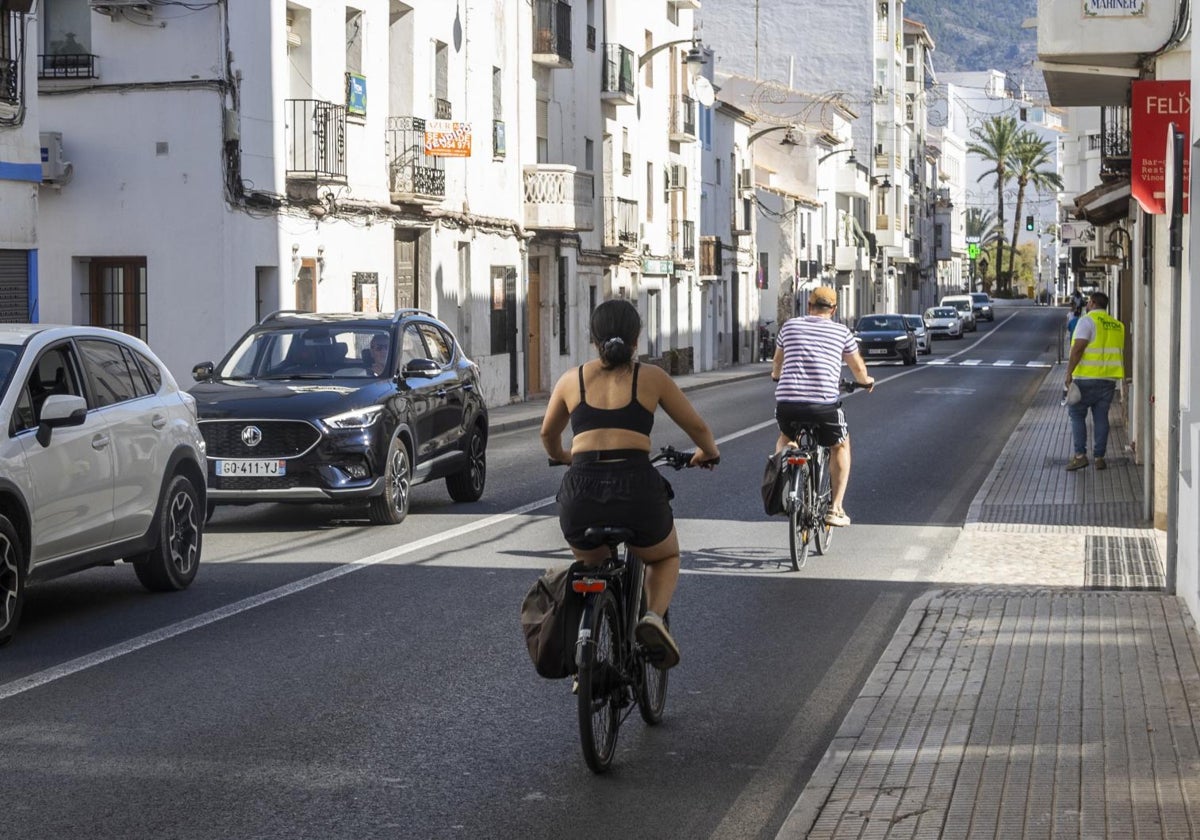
[[809, 465]]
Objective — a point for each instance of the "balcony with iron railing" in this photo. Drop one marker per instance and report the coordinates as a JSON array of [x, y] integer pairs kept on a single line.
[[683, 119], [552, 33], [558, 197], [710, 256], [442, 109], [621, 219], [683, 240], [316, 140], [414, 177], [10, 81], [626, 163], [71, 66], [618, 84], [1115, 160]]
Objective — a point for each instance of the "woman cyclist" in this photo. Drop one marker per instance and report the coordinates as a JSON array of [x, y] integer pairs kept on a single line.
[[610, 403]]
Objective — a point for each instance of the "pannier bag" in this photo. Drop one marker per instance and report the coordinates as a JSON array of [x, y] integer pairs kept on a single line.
[[774, 485], [550, 616]]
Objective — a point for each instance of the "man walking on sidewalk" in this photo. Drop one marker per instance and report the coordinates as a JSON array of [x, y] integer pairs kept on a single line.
[[1096, 365]]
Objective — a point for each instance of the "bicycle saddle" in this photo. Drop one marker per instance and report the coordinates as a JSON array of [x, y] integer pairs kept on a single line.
[[607, 535]]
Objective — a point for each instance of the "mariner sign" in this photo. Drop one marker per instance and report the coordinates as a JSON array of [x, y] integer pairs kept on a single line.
[[1114, 8]]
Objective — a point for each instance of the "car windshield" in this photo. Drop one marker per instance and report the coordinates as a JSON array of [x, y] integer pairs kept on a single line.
[[307, 352], [914, 321], [8, 360], [944, 312], [879, 323], [979, 297], [960, 305]]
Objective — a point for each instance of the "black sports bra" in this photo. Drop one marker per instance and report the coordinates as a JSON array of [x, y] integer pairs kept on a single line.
[[634, 416]]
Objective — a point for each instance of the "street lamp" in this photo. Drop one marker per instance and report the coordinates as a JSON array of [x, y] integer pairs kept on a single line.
[[852, 160], [694, 59], [789, 136]]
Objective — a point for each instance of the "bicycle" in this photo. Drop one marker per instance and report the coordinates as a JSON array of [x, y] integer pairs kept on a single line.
[[614, 670], [808, 495]]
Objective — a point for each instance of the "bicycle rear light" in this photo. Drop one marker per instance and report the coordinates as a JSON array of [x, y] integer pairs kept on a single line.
[[796, 460], [588, 585]]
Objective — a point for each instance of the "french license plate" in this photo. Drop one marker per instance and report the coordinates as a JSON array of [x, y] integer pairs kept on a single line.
[[880, 352], [268, 469]]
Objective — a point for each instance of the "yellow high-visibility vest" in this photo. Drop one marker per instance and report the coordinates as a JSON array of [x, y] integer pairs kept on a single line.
[[1104, 357]]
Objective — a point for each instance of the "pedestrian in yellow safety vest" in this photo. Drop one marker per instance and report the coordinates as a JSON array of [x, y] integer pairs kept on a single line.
[[1096, 365]]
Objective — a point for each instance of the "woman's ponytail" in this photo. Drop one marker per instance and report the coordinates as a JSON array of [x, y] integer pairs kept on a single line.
[[616, 326]]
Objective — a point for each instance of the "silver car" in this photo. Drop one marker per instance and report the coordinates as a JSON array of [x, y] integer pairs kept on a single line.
[[924, 340], [101, 460], [944, 321]]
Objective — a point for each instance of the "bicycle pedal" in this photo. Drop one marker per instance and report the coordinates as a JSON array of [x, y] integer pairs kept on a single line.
[[574, 685]]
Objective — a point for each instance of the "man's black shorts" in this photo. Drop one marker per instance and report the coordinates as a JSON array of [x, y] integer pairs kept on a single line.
[[630, 493], [828, 418]]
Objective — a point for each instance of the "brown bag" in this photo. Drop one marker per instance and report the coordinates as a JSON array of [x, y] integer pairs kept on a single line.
[[550, 616], [774, 485]]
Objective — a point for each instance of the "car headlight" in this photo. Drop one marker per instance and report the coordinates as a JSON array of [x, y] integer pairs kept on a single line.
[[360, 418]]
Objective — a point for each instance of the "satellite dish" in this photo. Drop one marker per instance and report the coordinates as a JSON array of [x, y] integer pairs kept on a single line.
[[703, 90]]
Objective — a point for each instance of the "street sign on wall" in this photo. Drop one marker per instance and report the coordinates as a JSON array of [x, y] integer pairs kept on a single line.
[[1154, 106]]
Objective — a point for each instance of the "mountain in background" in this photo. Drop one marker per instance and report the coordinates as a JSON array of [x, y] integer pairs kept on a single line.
[[981, 36]]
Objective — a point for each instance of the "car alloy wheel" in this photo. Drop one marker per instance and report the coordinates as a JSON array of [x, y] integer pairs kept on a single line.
[[467, 484], [12, 581], [391, 506], [172, 563]]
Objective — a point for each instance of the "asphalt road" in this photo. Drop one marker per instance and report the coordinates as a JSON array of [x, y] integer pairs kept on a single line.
[[327, 679]]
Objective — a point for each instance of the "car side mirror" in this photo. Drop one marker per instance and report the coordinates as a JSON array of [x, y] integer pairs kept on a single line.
[[422, 369], [60, 410], [203, 372]]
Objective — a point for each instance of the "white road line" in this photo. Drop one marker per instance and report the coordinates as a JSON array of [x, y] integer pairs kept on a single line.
[[91, 660], [971, 362], [1003, 363]]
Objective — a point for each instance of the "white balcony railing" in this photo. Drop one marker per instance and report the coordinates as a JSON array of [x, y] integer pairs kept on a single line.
[[558, 197]]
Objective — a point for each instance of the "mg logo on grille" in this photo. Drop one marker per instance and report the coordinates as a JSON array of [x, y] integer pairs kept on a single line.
[[252, 436]]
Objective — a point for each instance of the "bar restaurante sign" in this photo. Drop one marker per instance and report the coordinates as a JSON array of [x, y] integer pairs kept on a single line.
[[1154, 106]]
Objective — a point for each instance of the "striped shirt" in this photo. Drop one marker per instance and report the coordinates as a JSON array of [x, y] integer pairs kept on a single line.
[[813, 351]]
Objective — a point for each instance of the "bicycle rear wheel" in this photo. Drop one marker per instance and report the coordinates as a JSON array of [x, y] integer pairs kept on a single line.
[[652, 690], [600, 685], [824, 496], [799, 514]]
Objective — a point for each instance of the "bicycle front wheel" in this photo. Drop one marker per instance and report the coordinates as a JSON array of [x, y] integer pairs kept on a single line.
[[799, 532], [824, 496], [600, 685]]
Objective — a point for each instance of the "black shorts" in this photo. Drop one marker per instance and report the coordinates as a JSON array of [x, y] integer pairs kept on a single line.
[[828, 419], [629, 493]]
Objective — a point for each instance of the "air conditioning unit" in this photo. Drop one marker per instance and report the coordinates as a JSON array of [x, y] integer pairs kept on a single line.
[[55, 170], [746, 180], [678, 180], [123, 8]]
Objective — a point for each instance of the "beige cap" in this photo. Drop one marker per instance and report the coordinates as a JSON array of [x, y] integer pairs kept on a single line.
[[822, 296]]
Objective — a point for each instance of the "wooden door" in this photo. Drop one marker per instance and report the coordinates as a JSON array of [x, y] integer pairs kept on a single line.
[[533, 346]]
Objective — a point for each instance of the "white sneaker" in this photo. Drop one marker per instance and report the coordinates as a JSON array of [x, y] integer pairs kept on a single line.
[[653, 634], [837, 518]]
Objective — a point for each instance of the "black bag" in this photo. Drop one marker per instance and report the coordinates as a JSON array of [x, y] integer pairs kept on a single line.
[[550, 616], [774, 485]]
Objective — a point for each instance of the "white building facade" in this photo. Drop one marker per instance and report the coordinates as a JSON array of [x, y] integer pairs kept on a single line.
[[20, 164]]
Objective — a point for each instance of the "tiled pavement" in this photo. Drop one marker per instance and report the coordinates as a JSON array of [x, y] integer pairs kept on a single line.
[[1014, 702]]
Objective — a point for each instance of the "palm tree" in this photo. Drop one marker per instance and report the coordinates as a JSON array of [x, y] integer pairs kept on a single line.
[[995, 142], [1029, 157]]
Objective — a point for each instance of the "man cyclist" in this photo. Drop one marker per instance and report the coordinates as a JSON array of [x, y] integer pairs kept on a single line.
[[809, 352]]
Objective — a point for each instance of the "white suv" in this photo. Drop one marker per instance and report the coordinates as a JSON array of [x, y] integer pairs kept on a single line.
[[101, 459]]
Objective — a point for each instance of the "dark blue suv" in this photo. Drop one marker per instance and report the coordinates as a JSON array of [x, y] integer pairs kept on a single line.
[[319, 407]]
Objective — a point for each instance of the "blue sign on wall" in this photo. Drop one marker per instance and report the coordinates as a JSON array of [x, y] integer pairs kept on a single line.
[[356, 94]]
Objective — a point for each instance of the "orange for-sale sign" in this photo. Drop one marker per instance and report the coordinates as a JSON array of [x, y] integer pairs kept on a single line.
[[446, 138]]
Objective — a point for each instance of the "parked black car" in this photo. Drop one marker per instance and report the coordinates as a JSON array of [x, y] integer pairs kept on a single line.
[[886, 338], [319, 407]]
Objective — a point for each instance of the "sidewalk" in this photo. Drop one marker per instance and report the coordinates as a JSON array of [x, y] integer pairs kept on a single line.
[[1037, 694]]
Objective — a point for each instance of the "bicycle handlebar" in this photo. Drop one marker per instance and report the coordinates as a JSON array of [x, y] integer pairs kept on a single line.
[[849, 386]]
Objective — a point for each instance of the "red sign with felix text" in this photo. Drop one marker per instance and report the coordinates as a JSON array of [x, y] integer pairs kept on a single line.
[[1155, 105]]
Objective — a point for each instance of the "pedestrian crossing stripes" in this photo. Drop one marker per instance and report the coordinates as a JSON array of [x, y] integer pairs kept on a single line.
[[999, 363]]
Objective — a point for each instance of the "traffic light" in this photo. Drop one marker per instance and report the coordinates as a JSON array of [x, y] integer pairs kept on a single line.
[[1029, 222]]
